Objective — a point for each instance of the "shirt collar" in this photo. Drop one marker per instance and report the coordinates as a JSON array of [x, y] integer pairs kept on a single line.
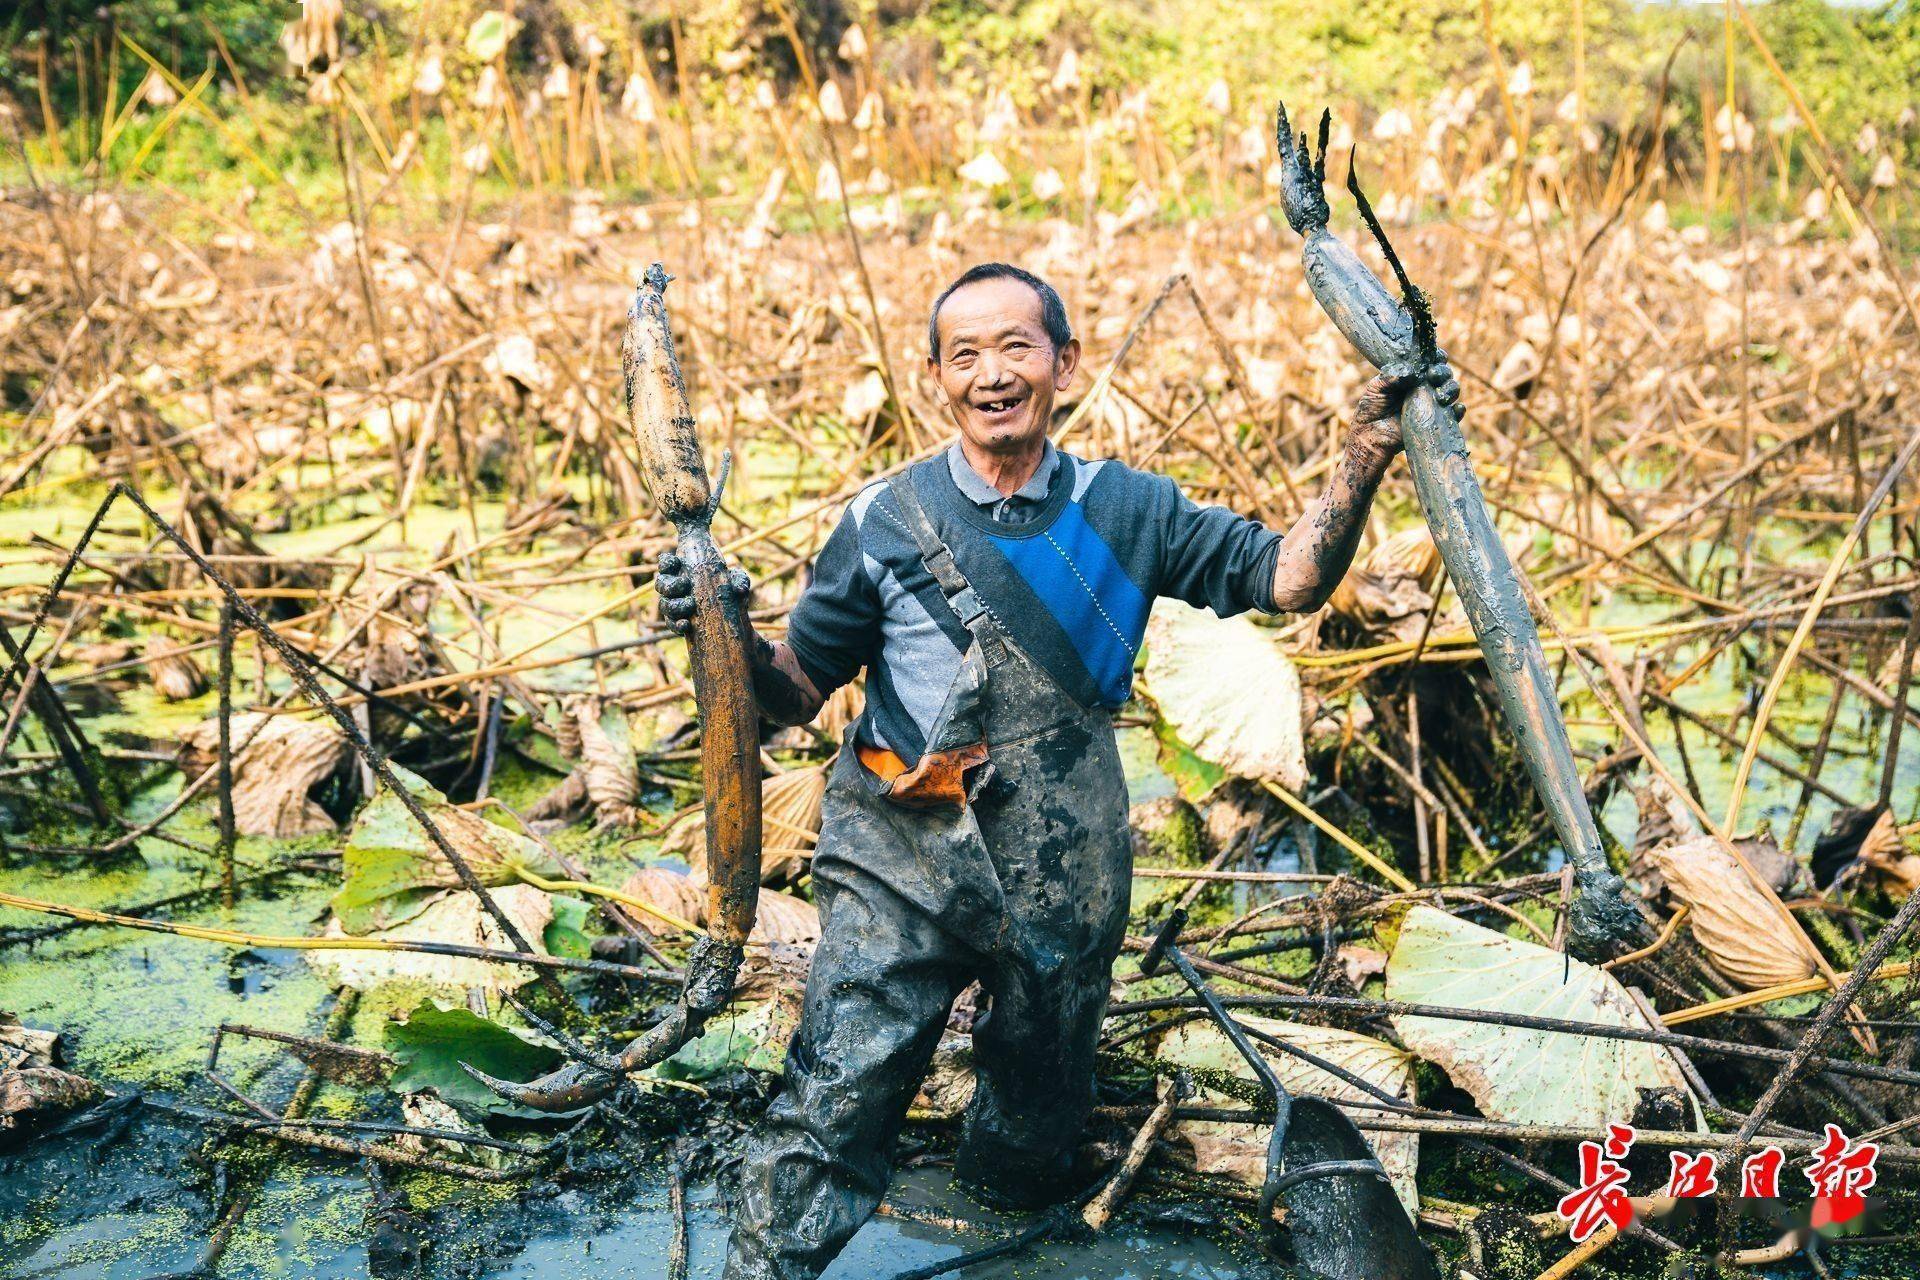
[[982, 494]]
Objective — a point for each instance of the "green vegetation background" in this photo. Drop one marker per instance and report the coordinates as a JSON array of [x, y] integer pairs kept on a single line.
[[1855, 64]]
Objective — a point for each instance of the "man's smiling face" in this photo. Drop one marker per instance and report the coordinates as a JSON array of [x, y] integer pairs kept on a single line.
[[997, 371]]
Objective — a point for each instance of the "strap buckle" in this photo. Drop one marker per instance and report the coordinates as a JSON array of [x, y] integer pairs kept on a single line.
[[967, 603]]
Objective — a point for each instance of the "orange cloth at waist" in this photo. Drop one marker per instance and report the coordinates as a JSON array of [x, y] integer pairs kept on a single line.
[[938, 778]]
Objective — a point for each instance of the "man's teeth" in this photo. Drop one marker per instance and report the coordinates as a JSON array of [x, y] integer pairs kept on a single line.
[[998, 406]]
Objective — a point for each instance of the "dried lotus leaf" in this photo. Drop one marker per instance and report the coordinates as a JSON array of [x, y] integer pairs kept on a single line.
[[424, 1111], [1517, 1073], [774, 971], [611, 776], [101, 653], [392, 869], [674, 892], [566, 802], [23, 1046], [1520, 366], [786, 919], [947, 1090], [278, 760], [1239, 1151], [34, 1097], [1410, 552], [1885, 852], [1390, 591], [844, 706], [1739, 926], [175, 675], [789, 822]]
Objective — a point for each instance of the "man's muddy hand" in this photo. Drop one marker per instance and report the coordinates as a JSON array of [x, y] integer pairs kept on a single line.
[[784, 692], [1376, 410], [675, 586]]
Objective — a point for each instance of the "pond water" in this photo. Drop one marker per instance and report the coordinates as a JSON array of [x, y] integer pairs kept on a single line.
[[136, 1208]]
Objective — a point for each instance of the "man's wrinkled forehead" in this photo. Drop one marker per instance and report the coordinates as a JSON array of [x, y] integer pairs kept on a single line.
[[991, 310]]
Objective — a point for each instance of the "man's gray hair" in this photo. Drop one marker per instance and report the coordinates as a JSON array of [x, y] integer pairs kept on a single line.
[[1053, 312]]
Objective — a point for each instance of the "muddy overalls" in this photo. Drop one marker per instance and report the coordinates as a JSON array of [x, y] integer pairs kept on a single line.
[[1008, 863]]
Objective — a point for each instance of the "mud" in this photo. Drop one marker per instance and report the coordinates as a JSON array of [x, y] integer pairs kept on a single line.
[[143, 1205]]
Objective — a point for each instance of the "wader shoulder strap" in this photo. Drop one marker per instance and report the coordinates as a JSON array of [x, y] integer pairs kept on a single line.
[[938, 558]]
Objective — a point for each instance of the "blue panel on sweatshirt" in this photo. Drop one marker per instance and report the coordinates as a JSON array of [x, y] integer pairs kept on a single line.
[[1100, 608]]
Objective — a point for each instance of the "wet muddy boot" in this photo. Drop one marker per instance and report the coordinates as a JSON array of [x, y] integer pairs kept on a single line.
[[1005, 1196], [1347, 1225], [1017, 1191]]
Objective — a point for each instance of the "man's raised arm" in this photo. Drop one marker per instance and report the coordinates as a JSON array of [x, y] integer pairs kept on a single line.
[[1318, 550]]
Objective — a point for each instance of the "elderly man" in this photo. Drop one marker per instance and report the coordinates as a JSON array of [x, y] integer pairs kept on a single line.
[[975, 828]]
